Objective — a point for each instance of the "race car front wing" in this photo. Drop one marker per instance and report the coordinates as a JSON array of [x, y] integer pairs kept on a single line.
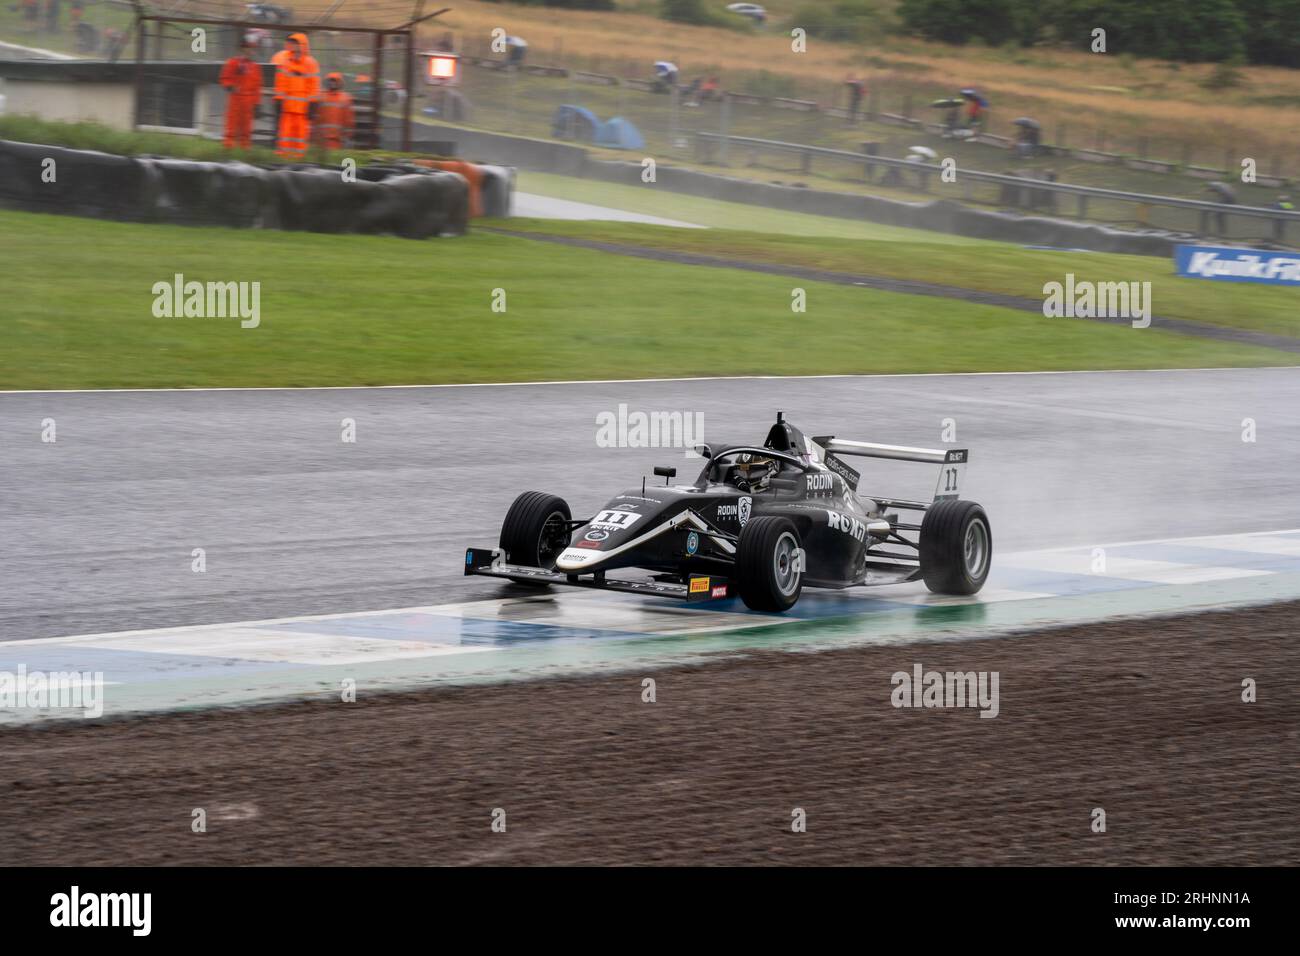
[[697, 588]]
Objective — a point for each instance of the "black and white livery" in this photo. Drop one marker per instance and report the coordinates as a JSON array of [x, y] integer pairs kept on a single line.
[[761, 522]]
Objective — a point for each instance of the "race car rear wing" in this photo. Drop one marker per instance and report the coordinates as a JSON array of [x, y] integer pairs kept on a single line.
[[953, 462]]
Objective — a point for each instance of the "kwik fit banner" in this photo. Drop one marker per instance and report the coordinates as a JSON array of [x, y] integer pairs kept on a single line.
[[1238, 265]]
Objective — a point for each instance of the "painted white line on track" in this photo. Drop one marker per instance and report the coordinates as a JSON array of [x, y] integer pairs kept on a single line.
[[636, 381], [1228, 426], [533, 206], [302, 647], [1219, 541]]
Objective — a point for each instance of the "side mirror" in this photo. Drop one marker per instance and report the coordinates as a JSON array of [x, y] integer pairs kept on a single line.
[[665, 473]]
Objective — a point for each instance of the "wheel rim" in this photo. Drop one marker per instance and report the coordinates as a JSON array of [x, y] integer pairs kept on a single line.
[[553, 539], [783, 569], [975, 547]]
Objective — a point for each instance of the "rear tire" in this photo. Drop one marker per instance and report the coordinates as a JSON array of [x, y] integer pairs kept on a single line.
[[956, 547], [535, 532], [765, 573]]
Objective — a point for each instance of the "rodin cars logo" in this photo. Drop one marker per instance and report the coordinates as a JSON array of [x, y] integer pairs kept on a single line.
[[739, 511], [743, 509]]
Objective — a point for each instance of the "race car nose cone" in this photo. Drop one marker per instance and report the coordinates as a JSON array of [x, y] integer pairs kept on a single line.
[[576, 559]]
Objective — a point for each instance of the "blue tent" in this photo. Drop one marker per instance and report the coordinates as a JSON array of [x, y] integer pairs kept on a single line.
[[574, 122], [619, 133]]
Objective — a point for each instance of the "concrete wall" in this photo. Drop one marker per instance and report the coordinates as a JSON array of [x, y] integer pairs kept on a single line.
[[112, 104], [76, 90]]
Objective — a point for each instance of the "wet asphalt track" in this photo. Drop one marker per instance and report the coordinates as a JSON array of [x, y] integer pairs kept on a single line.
[[546, 207], [97, 529]]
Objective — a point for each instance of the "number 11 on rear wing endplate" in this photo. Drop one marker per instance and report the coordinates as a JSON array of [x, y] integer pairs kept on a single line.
[[952, 461]]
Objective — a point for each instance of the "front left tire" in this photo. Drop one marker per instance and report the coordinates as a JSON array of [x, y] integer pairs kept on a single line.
[[535, 531]]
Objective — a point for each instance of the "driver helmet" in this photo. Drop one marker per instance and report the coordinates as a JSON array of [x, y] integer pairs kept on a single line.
[[754, 471]]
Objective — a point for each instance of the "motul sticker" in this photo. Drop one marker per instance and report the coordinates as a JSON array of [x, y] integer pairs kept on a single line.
[[719, 592]]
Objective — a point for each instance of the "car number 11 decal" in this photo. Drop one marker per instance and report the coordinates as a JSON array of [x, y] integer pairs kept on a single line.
[[950, 477], [615, 520]]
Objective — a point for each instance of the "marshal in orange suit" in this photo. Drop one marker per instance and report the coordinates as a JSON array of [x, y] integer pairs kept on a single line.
[[297, 90], [335, 117], [242, 79]]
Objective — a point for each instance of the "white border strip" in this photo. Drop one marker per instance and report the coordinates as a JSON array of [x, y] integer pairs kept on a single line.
[[434, 608], [623, 381]]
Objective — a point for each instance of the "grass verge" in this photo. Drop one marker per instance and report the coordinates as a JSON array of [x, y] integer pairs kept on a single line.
[[971, 264], [366, 310]]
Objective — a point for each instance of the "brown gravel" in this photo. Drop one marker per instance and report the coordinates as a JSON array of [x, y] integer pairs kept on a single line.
[[1141, 718]]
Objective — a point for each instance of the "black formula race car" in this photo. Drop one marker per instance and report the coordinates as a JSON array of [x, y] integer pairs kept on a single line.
[[761, 522]]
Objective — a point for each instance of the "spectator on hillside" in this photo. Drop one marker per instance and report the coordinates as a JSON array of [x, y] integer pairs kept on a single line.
[[1285, 204], [1224, 195], [976, 106], [711, 89], [857, 89], [665, 76], [516, 50]]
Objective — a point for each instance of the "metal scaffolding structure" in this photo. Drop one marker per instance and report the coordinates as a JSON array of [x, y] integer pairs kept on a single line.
[[187, 32]]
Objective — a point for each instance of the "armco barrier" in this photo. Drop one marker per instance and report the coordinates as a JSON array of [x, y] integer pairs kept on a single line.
[[941, 215], [399, 200], [499, 148]]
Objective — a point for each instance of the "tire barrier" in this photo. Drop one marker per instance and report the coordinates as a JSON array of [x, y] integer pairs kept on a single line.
[[490, 187], [401, 200]]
